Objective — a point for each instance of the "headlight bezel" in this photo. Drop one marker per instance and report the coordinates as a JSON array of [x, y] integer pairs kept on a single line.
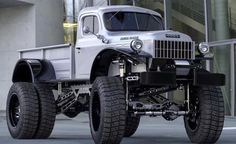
[[203, 48], [136, 45]]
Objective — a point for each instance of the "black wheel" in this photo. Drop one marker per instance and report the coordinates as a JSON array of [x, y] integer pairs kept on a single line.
[[107, 111], [22, 110], [205, 121], [132, 123], [47, 111]]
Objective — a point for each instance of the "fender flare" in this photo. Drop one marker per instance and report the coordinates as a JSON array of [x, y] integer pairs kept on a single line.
[[105, 57], [33, 70]]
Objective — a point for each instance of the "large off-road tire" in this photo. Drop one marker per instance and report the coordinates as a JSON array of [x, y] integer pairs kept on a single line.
[[47, 111], [22, 110], [205, 122], [107, 111], [131, 125]]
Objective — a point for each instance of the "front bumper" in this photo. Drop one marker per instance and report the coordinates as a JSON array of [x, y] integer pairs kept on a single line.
[[195, 77]]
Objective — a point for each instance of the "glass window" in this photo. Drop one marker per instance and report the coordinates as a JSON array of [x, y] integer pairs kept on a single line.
[[92, 23], [96, 25], [132, 21], [88, 22]]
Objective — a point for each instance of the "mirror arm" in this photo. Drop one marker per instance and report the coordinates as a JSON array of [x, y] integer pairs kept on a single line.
[[101, 37]]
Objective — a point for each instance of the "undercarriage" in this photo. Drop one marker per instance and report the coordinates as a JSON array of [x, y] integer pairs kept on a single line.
[[146, 93]]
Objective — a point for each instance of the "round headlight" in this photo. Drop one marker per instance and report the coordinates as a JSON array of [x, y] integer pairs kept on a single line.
[[136, 45], [203, 48]]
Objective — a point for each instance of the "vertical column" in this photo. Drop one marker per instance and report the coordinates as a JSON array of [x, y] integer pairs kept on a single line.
[[167, 14], [208, 29], [222, 53], [232, 76], [167, 21], [221, 19]]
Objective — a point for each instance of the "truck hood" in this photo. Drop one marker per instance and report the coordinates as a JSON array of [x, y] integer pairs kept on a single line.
[[153, 35], [122, 40]]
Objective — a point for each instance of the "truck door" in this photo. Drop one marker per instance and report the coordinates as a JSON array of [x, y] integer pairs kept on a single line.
[[87, 47]]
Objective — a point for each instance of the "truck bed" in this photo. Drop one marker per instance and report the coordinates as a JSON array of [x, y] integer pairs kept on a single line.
[[61, 57]]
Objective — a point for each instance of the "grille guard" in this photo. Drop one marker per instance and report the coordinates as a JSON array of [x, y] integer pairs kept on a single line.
[[182, 50]]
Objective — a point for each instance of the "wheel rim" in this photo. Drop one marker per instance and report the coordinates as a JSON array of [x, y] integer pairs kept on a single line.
[[96, 111], [14, 110], [193, 118]]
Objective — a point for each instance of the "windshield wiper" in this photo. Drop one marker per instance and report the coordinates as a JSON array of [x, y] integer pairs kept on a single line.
[[113, 15]]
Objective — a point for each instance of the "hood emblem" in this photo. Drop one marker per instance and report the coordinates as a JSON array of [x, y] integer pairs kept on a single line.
[[172, 36]]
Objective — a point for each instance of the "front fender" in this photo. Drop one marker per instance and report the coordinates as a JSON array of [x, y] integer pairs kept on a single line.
[[132, 54], [103, 59], [33, 70]]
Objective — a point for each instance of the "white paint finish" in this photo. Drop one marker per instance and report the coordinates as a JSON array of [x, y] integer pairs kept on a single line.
[[61, 65], [33, 55], [54, 54], [62, 68], [60, 56]]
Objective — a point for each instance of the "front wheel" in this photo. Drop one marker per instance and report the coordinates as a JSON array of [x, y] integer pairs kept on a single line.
[[107, 112], [205, 121], [132, 123]]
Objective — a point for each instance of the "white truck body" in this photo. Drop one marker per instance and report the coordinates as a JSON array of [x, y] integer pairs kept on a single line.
[[76, 63]]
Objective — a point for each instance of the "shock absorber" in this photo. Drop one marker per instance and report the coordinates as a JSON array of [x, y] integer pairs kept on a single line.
[[122, 68]]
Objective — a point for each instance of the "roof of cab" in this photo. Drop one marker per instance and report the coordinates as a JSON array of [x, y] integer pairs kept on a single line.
[[104, 9]]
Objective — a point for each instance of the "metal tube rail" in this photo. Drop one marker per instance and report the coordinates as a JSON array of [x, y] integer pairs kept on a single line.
[[46, 47], [158, 113]]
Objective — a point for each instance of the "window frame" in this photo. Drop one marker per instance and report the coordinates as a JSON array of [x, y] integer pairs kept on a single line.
[[93, 24], [158, 17]]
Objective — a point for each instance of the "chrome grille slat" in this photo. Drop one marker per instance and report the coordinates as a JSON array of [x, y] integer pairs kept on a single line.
[[174, 49]]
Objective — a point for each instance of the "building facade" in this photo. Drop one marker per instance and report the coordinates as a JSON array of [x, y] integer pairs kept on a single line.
[[26, 24], [31, 23]]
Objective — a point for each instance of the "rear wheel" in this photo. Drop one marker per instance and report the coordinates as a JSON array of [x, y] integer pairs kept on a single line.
[[205, 121], [47, 111], [22, 110], [107, 111]]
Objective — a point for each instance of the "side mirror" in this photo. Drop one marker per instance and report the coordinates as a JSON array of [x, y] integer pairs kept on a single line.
[[86, 29]]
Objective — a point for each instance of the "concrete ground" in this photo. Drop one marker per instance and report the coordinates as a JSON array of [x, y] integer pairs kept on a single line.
[[151, 131]]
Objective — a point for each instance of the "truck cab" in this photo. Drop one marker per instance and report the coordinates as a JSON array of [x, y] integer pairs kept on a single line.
[[118, 28]]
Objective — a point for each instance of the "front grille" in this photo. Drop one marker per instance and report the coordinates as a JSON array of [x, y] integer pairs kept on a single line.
[[174, 49]]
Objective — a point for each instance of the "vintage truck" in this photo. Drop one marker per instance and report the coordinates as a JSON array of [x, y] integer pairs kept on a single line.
[[121, 68]]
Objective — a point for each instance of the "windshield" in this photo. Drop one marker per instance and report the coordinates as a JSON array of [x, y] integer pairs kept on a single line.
[[132, 21]]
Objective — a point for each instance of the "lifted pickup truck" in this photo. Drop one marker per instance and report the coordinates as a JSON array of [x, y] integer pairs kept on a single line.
[[120, 69]]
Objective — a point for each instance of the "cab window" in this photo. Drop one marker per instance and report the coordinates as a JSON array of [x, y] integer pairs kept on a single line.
[[92, 23], [132, 21]]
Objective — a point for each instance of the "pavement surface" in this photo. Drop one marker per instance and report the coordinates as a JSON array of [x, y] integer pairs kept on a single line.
[[151, 131]]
